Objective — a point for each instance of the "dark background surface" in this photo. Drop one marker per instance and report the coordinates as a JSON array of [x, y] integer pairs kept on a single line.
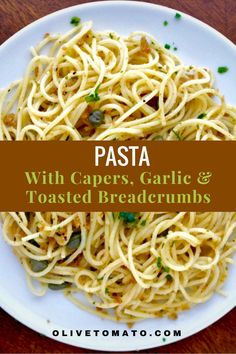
[[219, 337]]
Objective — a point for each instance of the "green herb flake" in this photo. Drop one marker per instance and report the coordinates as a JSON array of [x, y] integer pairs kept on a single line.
[[75, 21], [110, 35], [159, 262], [167, 46], [202, 115], [165, 23], [166, 269], [143, 222], [177, 135], [175, 48], [222, 69], [178, 16], [93, 96], [169, 277], [127, 217], [107, 291]]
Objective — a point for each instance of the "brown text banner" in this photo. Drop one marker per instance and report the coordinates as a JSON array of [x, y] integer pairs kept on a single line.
[[118, 176]]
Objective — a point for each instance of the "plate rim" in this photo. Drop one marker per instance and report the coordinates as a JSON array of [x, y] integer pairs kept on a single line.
[[17, 313], [119, 2]]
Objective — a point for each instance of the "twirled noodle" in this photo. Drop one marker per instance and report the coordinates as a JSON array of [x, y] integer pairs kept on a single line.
[[154, 264]]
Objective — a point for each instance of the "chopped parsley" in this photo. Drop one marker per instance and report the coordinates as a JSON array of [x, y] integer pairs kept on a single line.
[[75, 21], [175, 48], [107, 291], [143, 223], [177, 135], [222, 69], [178, 16], [93, 96], [168, 277], [166, 269], [159, 262], [202, 115], [165, 23], [160, 265], [167, 46], [127, 217], [110, 35]]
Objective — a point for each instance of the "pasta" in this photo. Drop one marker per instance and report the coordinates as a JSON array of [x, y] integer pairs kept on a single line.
[[87, 85]]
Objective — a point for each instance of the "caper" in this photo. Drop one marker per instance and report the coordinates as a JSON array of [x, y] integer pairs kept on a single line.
[[74, 241], [96, 118], [58, 286], [38, 266]]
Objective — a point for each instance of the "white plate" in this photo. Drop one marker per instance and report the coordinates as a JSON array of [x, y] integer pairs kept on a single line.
[[197, 44]]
